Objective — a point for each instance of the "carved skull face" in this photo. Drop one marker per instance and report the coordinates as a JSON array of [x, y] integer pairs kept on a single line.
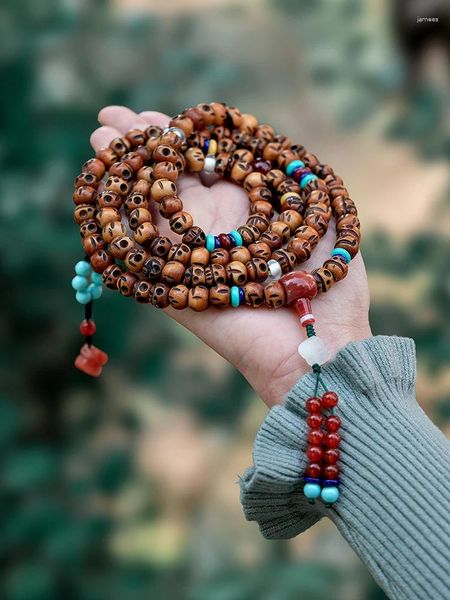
[[160, 295], [113, 230], [142, 291], [83, 212], [153, 267], [219, 274], [161, 246], [164, 152], [89, 227], [181, 253], [122, 170], [254, 294], [220, 296], [121, 246], [194, 275], [275, 295], [111, 276], [126, 284], [135, 259], [180, 222]]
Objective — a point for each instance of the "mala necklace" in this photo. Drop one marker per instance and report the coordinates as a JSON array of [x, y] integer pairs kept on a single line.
[[292, 199]]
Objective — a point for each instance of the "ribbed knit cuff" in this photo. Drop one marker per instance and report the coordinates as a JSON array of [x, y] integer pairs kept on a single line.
[[395, 484]]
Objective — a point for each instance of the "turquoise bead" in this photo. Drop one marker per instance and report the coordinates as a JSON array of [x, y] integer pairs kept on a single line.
[[235, 296], [306, 179], [329, 494], [311, 490], [79, 283], [342, 252], [237, 237], [95, 291], [210, 243], [295, 164], [83, 297], [83, 268], [97, 278]]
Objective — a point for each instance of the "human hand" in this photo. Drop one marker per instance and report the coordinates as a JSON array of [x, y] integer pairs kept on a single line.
[[261, 343]]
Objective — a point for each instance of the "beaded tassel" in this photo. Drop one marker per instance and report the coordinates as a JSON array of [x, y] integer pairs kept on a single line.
[[88, 287]]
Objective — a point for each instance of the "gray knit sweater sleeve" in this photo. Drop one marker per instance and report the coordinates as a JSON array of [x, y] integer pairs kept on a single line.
[[394, 508]]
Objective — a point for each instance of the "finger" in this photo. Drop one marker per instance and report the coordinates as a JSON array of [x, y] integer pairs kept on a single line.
[[122, 118], [102, 136], [153, 117]]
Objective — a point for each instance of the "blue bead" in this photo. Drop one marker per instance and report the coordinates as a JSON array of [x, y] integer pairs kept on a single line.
[[235, 296], [237, 237], [342, 252], [330, 482], [95, 291], [79, 283], [311, 490], [210, 243], [216, 241], [295, 164], [83, 268], [311, 480], [330, 494], [205, 147], [241, 295], [97, 278], [306, 179], [83, 297]]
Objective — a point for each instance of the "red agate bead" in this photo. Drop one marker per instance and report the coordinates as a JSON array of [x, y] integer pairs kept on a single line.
[[314, 453], [316, 437], [331, 456], [298, 284], [314, 420], [313, 405], [225, 241], [87, 327], [331, 472], [304, 311], [332, 440], [313, 470], [332, 423], [329, 399]]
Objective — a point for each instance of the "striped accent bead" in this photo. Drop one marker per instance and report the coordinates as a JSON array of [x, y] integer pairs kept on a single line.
[[295, 164], [237, 237], [306, 179], [343, 253]]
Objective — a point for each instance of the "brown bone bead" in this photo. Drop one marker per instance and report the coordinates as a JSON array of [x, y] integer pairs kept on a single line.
[[178, 296], [223, 163], [194, 275], [120, 246], [83, 212], [100, 260], [323, 278], [318, 196], [121, 169], [274, 178], [89, 227], [120, 146], [263, 207], [162, 188], [146, 173], [257, 269], [274, 295], [135, 200], [198, 298], [220, 112], [219, 296], [184, 123], [248, 123], [169, 206], [305, 232], [350, 244], [219, 256], [163, 152], [291, 218], [142, 291], [207, 113], [165, 170], [337, 266], [106, 215], [85, 194], [180, 222], [161, 246], [94, 166], [318, 208], [153, 267], [209, 279], [107, 156], [134, 160], [195, 160], [223, 137], [111, 276], [200, 256], [159, 296], [242, 155], [236, 273], [194, 237], [86, 179], [173, 272], [318, 222], [288, 186], [117, 184], [258, 220], [136, 137], [272, 152], [254, 180], [196, 117], [93, 243], [346, 221], [272, 239], [108, 199], [181, 253], [301, 247], [172, 139], [112, 230], [239, 171], [286, 259], [135, 259], [145, 234], [282, 229], [240, 253], [260, 193], [285, 157], [315, 184], [254, 294], [234, 116], [143, 152], [260, 250], [126, 283]]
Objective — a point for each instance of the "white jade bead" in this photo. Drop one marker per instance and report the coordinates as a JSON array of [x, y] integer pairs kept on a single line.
[[315, 351], [179, 132], [275, 271], [210, 164]]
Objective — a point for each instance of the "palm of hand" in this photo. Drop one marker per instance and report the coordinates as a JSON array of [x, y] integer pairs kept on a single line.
[[261, 343]]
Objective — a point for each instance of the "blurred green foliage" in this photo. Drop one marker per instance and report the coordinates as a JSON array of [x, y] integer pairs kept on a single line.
[[60, 62]]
